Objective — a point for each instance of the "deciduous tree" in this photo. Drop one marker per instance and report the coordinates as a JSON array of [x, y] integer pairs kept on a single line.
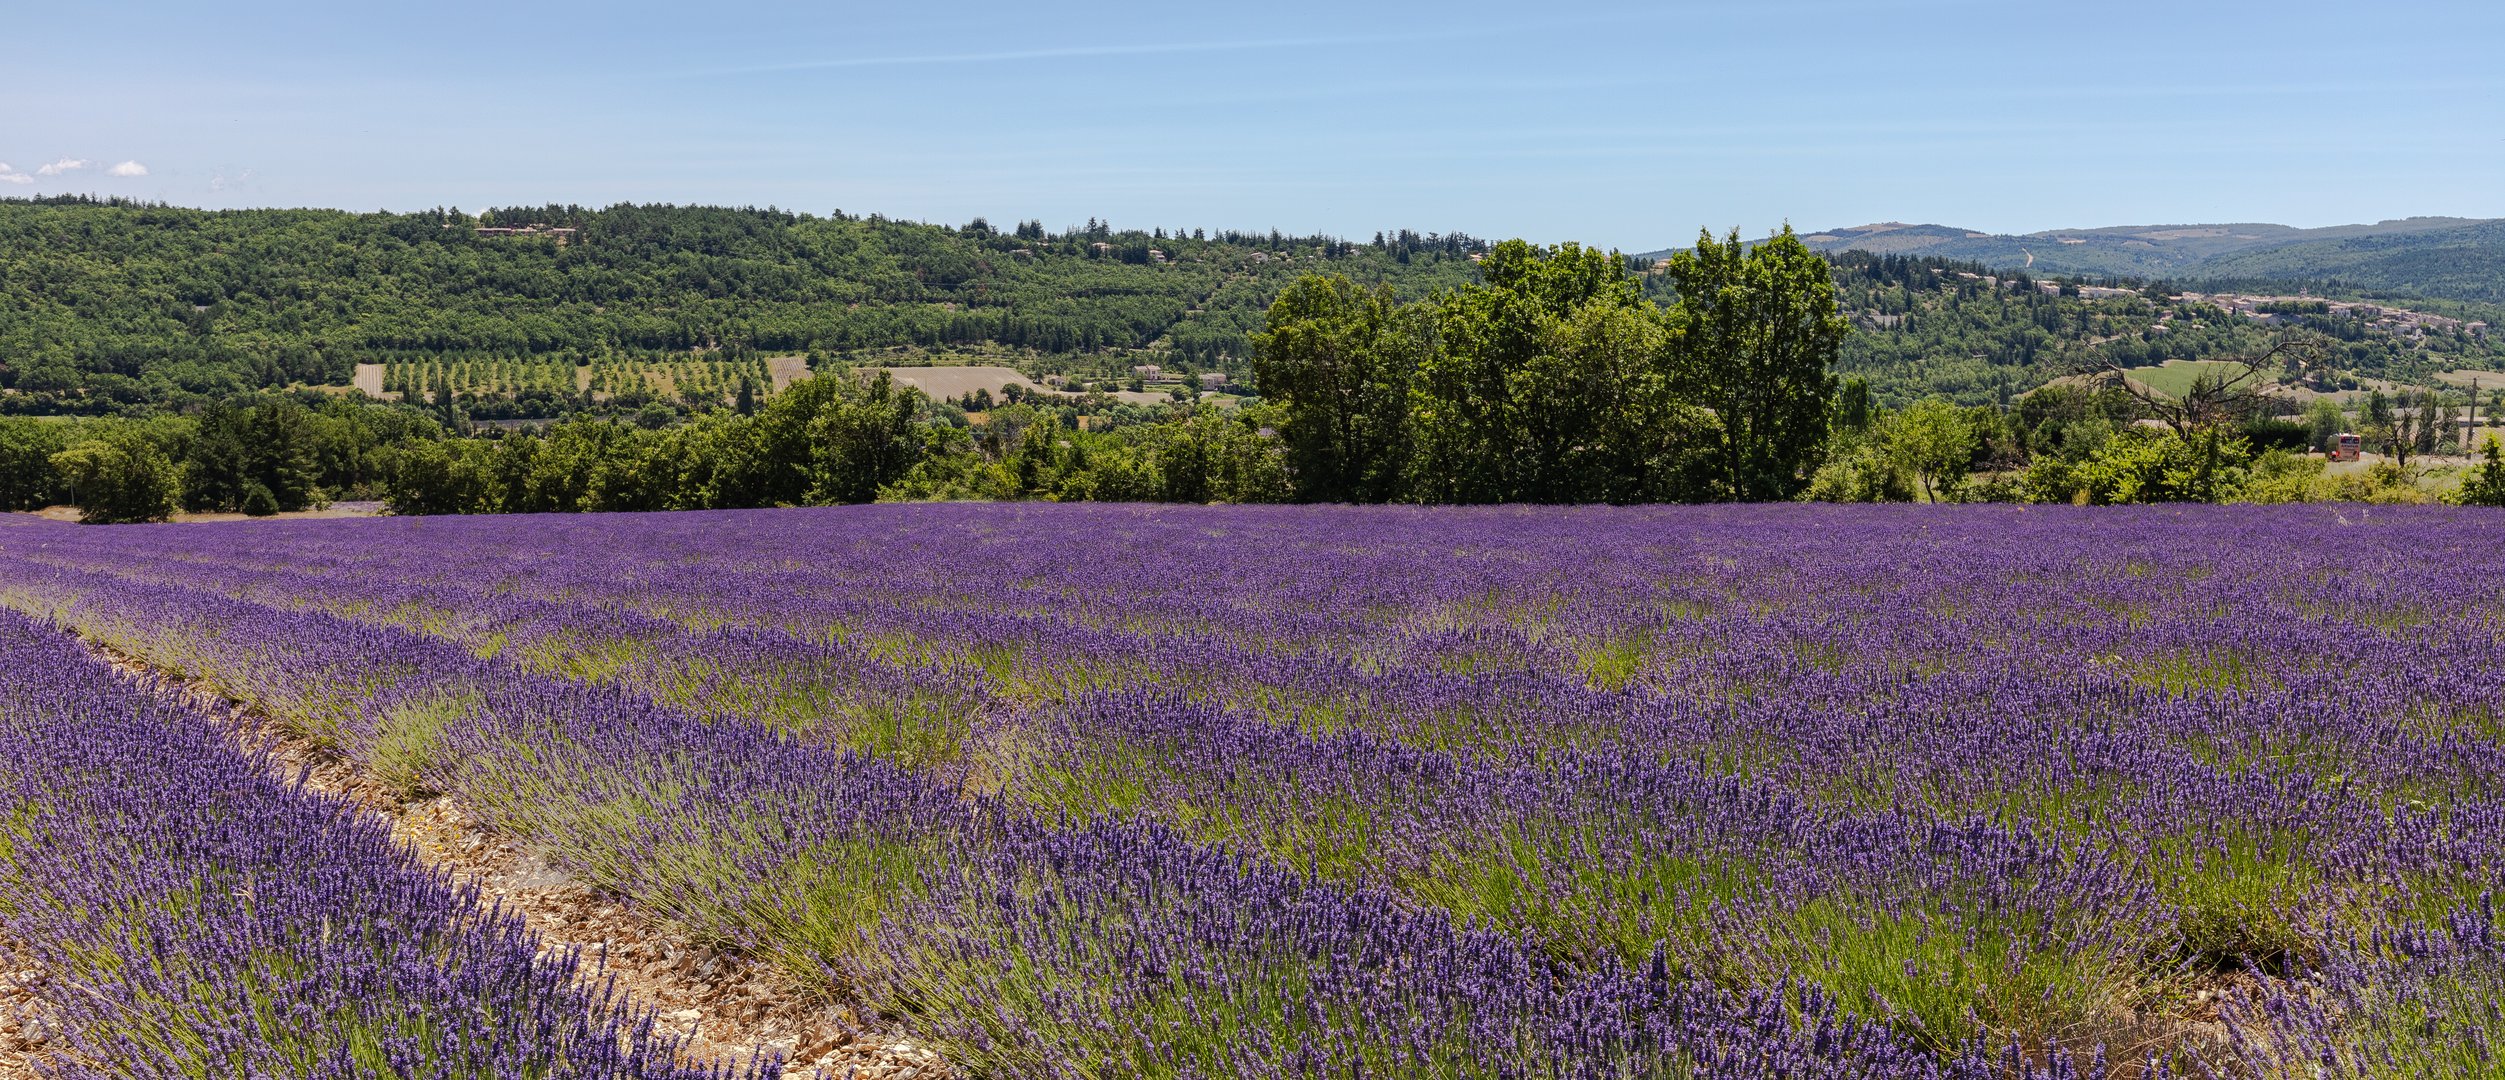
[[122, 477], [1339, 360], [1756, 338], [1931, 440]]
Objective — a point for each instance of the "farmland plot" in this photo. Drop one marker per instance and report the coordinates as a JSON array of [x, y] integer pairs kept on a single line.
[[1323, 792]]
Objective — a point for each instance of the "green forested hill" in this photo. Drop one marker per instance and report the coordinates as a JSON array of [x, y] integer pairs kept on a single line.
[[109, 307], [117, 303], [2466, 263], [2438, 257]]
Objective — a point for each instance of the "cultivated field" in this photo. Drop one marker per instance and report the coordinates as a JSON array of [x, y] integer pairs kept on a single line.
[[691, 378], [369, 379], [786, 370], [2174, 378], [957, 380], [1114, 791]]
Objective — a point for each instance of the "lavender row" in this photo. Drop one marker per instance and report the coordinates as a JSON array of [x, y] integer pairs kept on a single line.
[[200, 917], [2413, 720], [2416, 1000]]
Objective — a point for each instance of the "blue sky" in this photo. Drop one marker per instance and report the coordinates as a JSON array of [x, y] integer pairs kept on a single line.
[[1625, 125]]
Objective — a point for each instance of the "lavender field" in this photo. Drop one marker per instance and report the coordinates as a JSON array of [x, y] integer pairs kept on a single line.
[[1113, 791]]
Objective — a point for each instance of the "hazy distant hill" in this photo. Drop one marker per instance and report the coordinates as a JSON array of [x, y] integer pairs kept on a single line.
[[2458, 258], [2464, 263]]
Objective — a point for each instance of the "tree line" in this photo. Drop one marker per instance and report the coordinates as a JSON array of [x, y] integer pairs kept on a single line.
[[840, 437], [1978, 336], [2094, 442], [257, 454], [1552, 379]]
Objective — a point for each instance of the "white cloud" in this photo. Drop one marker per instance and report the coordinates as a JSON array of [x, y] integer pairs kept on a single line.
[[10, 175], [62, 166], [129, 168]]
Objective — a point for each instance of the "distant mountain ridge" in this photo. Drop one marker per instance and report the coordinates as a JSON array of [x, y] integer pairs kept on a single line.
[[2451, 257]]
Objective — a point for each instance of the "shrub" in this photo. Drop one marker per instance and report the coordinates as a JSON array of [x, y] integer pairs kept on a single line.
[[258, 501], [2484, 484]]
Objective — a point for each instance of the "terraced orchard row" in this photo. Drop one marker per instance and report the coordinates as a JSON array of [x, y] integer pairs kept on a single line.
[[1195, 792]]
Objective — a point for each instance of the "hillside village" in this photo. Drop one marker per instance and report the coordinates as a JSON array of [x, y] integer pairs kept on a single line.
[[2289, 310]]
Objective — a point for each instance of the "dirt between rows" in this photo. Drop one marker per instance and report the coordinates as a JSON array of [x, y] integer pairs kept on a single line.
[[25, 1017], [730, 1008]]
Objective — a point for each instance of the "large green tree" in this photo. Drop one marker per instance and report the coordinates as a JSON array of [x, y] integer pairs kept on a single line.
[[1531, 370], [1339, 359], [265, 445], [440, 476], [1554, 379], [1756, 339], [27, 478], [862, 439]]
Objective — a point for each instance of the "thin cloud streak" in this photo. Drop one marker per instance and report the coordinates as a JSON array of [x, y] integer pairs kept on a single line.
[[1184, 48], [1072, 52]]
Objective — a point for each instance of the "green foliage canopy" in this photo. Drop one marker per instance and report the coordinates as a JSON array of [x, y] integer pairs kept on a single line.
[[1554, 379]]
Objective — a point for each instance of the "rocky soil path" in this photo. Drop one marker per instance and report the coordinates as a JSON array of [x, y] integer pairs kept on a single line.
[[25, 1017]]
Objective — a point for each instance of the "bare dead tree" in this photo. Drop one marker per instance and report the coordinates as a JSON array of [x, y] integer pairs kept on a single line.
[[2415, 416], [2220, 396]]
